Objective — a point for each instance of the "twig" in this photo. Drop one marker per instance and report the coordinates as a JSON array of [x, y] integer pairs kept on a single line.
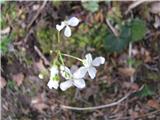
[[37, 14], [130, 53], [130, 57], [133, 5], [102, 106], [46, 62], [151, 68], [32, 21], [28, 34], [96, 107], [115, 32], [5, 31]]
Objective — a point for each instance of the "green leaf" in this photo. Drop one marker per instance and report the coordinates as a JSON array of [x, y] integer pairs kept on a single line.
[[4, 44], [117, 44], [91, 6], [138, 30], [11, 84], [146, 91]]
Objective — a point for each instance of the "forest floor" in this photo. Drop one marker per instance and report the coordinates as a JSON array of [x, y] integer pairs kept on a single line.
[[31, 34]]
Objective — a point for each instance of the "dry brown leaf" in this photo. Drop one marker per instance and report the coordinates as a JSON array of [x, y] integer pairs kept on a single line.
[[40, 66], [127, 71], [39, 102], [155, 8], [154, 104], [3, 82], [147, 57], [130, 85], [133, 114], [99, 17], [18, 78], [40, 106]]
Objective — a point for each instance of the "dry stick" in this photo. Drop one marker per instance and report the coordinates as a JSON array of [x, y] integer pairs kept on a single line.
[[37, 14], [28, 34], [102, 106], [5, 31], [46, 62], [115, 32], [96, 107], [130, 57], [32, 21], [135, 4]]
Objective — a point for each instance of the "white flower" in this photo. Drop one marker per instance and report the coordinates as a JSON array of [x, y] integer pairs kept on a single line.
[[66, 24], [71, 79], [54, 71], [89, 66], [53, 82]]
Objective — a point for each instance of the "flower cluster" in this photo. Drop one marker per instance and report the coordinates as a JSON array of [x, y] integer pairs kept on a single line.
[[76, 78], [66, 25]]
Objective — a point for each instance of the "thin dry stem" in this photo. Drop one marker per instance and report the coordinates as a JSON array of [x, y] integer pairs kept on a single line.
[[115, 32], [46, 62], [96, 107], [135, 4], [37, 14], [101, 106]]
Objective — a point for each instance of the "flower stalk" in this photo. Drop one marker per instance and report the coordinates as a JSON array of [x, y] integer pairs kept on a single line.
[[72, 78]]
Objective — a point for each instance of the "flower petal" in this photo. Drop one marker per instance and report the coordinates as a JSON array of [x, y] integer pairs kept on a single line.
[[73, 21], [92, 72], [80, 73], [65, 85], [54, 71], [60, 27], [65, 72], [53, 84], [67, 31], [89, 58], [98, 60], [79, 83]]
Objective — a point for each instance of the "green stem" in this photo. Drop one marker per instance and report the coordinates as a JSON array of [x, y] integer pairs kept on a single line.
[[60, 56], [59, 51], [59, 37], [72, 57]]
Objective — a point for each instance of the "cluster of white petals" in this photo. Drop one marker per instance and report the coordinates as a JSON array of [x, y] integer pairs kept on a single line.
[[66, 26], [53, 82], [89, 66], [73, 78], [76, 78]]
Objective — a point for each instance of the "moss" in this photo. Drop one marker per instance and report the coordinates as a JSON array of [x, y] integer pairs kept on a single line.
[[46, 38], [18, 33], [153, 76], [4, 43], [8, 10]]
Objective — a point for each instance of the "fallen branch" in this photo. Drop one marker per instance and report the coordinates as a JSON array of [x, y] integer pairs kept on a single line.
[[115, 32], [97, 107], [101, 106], [134, 5], [130, 57], [5, 31], [37, 14], [46, 62]]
